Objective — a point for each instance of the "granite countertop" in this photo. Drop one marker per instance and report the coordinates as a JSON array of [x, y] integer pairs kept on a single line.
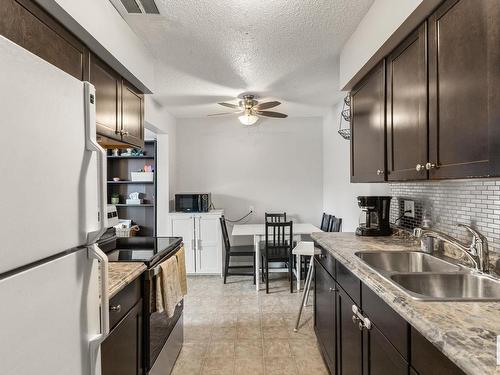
[[121, 274], [466, 332]]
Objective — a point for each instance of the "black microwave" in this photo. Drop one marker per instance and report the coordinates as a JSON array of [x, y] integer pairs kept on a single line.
[[195, 202]]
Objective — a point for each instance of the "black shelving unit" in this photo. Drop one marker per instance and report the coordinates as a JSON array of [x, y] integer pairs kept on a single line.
[[143, 215], [130, 157], [131, 182]]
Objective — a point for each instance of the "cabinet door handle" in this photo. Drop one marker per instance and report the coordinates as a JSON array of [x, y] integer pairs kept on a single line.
[[430, 166], [363, 322], [332, 289], [419, 167], [380, 172], [116, 308]]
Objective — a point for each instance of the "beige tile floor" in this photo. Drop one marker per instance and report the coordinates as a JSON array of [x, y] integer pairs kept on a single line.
[[232, 329]]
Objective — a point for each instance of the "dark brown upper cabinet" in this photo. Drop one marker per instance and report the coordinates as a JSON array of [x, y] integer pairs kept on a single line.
[[107, 85], [26, 24], [132, 115], [119, 107], [464, 89], [368, 128], [407, 108]]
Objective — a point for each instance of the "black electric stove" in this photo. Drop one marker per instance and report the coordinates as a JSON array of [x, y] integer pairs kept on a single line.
[[162, 336], [148, 250]]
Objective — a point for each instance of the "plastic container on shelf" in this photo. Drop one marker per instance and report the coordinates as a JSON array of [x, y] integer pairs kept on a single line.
[[142, 176]]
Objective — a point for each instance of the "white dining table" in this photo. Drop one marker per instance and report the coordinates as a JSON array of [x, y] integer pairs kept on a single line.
[[258, 232]]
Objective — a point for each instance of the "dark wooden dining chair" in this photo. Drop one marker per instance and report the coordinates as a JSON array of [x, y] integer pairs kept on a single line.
[[270, 218], [335, 224], [236, 251], [278, 248], [325, 222]]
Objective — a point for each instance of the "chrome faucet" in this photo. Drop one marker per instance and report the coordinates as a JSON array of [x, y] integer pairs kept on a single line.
[[477, 251]]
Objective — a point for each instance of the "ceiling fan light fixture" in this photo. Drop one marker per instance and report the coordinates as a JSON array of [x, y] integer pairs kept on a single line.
[[248, 119]]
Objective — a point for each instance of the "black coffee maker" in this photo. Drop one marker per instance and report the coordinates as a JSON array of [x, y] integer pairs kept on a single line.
[[374, 218]]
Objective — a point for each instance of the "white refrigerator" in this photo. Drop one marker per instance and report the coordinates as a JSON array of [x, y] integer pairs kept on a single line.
[[53, 278]]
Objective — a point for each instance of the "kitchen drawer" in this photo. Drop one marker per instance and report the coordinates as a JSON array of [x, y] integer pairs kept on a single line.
[[389, 322], [426, 359], [122, 302], [327, 260], [349, 283]]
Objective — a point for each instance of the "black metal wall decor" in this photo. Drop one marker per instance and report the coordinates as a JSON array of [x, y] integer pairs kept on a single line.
[[345, 115]]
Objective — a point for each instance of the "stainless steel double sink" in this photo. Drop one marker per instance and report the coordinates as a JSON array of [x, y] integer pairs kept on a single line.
[[428, 278]]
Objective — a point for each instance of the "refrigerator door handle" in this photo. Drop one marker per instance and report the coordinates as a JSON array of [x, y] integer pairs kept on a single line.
[[92, 146], [94, 252]]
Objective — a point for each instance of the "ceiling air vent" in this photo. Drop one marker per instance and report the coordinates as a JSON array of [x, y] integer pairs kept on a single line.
[[125, 7]]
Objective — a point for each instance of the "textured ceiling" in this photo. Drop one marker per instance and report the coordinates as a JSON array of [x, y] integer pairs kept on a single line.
[[209, 51]]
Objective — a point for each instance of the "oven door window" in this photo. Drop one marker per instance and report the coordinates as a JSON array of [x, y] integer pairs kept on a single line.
[[159, 326]]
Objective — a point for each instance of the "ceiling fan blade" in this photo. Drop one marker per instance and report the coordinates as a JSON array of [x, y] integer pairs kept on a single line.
[[224, 114], [271, 114], [229, 105], [266, 105]]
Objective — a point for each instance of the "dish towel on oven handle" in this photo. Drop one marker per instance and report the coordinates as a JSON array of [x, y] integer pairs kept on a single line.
[[181, 264], [168, 287]]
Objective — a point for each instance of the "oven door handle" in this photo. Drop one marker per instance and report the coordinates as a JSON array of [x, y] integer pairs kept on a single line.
[[156, 270]]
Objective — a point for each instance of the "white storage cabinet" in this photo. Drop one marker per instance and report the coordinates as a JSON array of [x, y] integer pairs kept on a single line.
[[202, 238]]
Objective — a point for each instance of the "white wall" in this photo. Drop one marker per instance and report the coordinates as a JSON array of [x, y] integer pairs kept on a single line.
[[339, 195], [275, 166], [381, 20]]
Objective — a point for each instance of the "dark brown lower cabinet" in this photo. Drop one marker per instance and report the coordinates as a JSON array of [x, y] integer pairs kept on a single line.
[[324, 314], [379, 355], [385, 346], [121, 352], [428, 360], [349, 337]]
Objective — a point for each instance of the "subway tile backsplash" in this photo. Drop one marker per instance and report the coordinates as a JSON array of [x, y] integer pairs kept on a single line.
[[447, 203]]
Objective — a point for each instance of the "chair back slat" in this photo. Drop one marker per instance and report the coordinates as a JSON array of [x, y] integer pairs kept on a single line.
[[275, 217], [225, 234]]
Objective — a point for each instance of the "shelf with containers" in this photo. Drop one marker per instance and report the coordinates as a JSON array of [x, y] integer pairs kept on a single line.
[[122, 167]]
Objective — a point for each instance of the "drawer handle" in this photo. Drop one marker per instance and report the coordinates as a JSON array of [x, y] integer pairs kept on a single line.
[[117, 308]]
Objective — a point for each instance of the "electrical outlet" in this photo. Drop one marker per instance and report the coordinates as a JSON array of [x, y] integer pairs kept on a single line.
[[251, 209], [409, 209]]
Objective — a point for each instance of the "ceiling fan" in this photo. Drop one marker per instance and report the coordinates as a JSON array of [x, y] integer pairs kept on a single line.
[[251, 109]]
